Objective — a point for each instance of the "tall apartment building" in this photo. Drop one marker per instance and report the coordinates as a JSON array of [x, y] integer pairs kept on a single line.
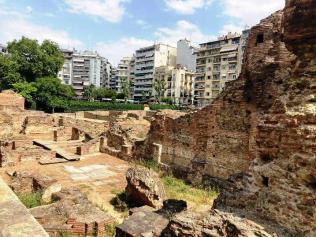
[[131, 78], [146, 60], [179, 83], [65, 75], [82, 69], [114, 79], [218, 62], [186, 54], [106, 73], [122, 72]]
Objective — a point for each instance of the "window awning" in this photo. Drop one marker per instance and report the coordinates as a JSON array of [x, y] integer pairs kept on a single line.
[[229, 48]]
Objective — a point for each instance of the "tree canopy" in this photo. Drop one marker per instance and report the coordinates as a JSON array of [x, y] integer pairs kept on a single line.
[[31, 68], [34, 60]]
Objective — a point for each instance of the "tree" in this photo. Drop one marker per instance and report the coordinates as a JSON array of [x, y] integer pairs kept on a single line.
[[50, 88], [160, 88], [90, 92], [35, 60], [8, 72], [27, 90], [125, 85]]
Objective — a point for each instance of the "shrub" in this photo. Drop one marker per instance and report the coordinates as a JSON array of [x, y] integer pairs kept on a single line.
[[31, 200]]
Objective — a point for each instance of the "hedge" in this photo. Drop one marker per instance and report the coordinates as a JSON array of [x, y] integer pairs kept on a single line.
[[73, 106], [163, 106]]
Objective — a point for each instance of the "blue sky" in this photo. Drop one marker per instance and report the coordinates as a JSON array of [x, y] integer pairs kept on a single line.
[[116, 28]]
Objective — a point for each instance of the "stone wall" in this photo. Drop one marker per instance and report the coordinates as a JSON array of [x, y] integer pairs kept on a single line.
[[259, 135], [10, 101], [15, 219]]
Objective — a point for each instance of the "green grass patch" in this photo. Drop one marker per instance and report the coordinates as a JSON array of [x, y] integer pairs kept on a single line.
[[178, 189], [31, 200]]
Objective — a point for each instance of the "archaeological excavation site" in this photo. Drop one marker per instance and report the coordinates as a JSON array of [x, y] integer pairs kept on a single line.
[[244, 166]]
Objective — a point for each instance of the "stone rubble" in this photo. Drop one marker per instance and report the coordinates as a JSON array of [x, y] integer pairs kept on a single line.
[[144, 187]]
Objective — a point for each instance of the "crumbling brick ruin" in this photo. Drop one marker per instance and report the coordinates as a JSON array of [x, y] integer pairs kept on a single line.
[[259, 135], [38, 153], [257, 141]]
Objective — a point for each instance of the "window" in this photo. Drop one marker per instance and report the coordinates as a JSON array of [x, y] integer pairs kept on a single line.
[[232, 66], [260, 39], [209, 77], [208, 94]]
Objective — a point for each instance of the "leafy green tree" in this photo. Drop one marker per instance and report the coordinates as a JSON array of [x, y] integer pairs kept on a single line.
[[160, 88], [101, 93], [35, 60], [121, 96], [90, 92], [50, 88], [126, 90], [27, 90], [8, 72]]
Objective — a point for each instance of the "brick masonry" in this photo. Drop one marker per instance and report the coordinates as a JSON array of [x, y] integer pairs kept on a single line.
[[259, 135]]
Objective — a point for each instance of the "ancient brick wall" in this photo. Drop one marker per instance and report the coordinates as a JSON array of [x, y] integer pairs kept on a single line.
[[10, 101], [260, 132]]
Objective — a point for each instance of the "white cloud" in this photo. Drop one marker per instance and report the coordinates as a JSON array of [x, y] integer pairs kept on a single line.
[[187, 6], [29, 9], [183, 29], [16, 28], [109, 10], [250, 12], [114, 51], [233, 28]]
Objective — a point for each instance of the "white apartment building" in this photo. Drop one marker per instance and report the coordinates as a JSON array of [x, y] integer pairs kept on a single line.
[[186, 54], [146, 60], [65, 74], [218, 62], [82, 69], [179, 83]]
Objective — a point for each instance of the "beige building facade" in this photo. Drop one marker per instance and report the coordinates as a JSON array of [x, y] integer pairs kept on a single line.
[[218, 62], [179, 83], [146, 61]]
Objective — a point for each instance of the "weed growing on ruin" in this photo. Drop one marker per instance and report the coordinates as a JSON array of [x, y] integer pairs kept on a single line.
[[178, 189], [110, 229], [63, 234], [31, 200], [151, 164], [120, 202]]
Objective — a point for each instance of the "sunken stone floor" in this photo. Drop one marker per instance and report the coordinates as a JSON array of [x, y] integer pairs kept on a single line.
[[99, 176]]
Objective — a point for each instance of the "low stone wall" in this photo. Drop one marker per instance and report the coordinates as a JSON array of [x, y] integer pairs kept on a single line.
[[15, 219]]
